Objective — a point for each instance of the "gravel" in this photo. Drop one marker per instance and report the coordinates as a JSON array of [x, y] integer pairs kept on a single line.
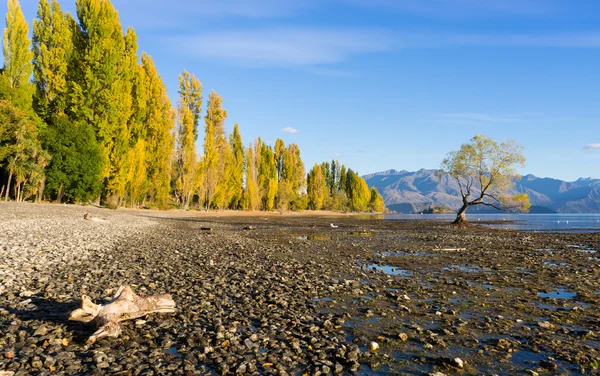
[[280, 295]]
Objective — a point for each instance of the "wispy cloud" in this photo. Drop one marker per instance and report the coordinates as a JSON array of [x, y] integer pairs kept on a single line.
[[321, 47], [285, 46], [465, 8], [557, 40], [472, 117], [289, 130], [221, 8], [591, 147]]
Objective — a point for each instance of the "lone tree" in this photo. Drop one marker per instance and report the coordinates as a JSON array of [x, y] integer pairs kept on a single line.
[[485, 171]]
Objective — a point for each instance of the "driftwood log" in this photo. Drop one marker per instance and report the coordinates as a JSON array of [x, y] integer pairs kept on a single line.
[[126, 305]]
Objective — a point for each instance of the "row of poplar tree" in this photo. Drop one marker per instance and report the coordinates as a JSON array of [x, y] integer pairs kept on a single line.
[[96, 123]]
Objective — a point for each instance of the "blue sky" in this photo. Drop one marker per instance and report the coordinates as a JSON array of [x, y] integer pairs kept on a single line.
[[381, 84]]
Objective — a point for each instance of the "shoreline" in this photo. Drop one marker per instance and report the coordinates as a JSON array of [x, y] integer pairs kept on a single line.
[[293, 295]]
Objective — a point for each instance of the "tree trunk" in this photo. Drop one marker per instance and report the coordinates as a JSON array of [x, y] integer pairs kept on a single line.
[[8, 186], [41, 189], [461, 216], [60, 194], [17, 191], [126, 305]]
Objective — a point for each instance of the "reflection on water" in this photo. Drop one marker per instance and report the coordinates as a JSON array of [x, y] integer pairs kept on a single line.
[[558, 294], [388, 269], [553, 222]]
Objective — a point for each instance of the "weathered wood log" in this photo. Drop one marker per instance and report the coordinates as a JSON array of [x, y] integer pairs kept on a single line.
[[126, 305]]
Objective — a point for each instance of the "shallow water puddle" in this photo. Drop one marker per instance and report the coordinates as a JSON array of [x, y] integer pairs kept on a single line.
[[405, 253], [554, 264], [173, 351], [559, 294], [526, 357], [327, 299], [313, 238], [389, 269], [587, 250], [465, 269]]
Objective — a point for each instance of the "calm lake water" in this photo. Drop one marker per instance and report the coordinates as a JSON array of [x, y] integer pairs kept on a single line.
[[547, 222]]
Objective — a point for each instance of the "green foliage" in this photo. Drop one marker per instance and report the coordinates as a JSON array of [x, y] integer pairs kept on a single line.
[[20, 152], [484, 172], [101, 91], [74, 172]]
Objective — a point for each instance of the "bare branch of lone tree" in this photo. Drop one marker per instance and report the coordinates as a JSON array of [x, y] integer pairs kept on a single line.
[[485, 171]]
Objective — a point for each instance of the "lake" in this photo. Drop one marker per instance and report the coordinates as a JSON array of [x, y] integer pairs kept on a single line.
[[546, 222]]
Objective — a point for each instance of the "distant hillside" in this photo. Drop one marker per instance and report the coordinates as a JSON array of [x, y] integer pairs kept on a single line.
[[409, 192]]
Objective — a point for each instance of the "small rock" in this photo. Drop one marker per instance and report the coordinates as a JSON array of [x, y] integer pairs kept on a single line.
[[548, 364], [41, 331], [437, 374], [338, 369], [328, 325], [374, 346], [531, 372], [458, 363], [352, 356], [249, 344], [545, 325], [140, 322], [403, 337]]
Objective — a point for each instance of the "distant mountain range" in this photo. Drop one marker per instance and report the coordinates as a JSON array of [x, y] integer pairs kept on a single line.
[[413, 192]]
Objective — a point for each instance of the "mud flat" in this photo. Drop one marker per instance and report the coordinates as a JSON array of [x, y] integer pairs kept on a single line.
[[293, 295]]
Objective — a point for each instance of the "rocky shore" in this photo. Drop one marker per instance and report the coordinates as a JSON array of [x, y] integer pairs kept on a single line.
[[271, 294]]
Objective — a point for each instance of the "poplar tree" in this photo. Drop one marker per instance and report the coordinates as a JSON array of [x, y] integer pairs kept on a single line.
[[17, 58], [251, 193], [188, 154], [236, 176], [316, 188], [279, 151], [158, 122], [190, 92], [358, 192], [119, 153], [99, 93], [52, 50], [267, 177], [376, 203], [214, 142]]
